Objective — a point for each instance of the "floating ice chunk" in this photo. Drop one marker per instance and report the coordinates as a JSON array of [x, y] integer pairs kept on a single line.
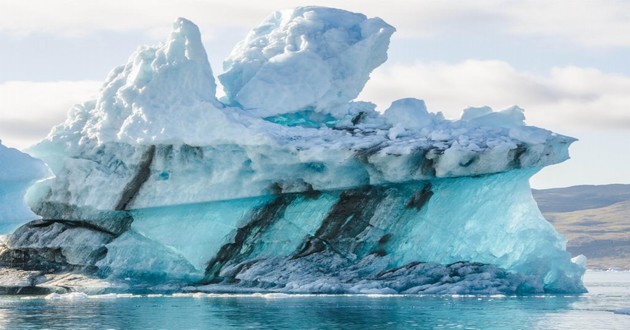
[[305, 58], [272, 295], [67, 296], [183, 295], [104, 296], [53, 296]]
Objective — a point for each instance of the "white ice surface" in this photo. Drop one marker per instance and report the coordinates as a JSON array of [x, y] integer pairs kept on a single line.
[[308, 57], [164, 94]]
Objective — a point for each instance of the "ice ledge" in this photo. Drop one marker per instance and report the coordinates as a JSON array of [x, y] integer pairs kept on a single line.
[[140, 176]]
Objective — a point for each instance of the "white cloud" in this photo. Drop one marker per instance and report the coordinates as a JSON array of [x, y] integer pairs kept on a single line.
[[564, 98], [591, 23], [28, 110]]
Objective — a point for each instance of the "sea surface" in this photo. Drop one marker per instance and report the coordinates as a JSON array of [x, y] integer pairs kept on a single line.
[[606, 306]]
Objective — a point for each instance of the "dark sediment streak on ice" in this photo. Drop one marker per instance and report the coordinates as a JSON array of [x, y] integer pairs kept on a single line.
[[132, 188], [245, 236]]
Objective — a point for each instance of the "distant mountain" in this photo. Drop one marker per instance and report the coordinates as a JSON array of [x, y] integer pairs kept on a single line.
[[595, 220], [583, 197]]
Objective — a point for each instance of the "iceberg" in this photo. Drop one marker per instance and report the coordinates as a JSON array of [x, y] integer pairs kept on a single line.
[[288, 184]]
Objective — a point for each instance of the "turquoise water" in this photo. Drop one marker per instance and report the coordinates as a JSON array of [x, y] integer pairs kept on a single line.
[[609, 292]]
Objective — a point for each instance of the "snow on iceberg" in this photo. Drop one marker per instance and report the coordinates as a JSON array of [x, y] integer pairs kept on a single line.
[[292, 189], [305, 58], [164, 94], [17, 172]]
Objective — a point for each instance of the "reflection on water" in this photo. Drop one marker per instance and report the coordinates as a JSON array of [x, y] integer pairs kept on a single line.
[[593, 310]]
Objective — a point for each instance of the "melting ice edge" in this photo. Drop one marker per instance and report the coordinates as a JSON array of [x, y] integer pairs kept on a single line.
[[285, 184]]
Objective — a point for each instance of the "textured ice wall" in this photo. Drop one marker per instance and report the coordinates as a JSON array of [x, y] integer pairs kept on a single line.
[[490, 220], [175, 185], [17, 172]]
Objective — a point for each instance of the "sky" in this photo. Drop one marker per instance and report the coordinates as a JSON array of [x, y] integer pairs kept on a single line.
[[566, 62]]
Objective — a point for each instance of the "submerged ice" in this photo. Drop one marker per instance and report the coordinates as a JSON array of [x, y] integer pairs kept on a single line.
[[289, 184]]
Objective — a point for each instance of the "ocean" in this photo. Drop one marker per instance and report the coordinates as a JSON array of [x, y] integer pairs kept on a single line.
[[606, 306]]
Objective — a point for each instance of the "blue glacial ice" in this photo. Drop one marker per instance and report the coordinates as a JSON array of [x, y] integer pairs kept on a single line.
[[288, 184], [17, 172]]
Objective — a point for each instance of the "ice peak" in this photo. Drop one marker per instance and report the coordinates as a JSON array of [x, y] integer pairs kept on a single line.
[[185, 42], [140, 99]]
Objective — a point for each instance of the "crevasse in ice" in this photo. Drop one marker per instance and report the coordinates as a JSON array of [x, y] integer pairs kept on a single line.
[[289, 184]]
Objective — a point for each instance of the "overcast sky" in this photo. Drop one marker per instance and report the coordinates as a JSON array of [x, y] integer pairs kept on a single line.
[[566, 62]]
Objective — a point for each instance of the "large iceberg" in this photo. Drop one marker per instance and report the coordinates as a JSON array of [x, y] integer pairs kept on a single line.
[[288, 184]]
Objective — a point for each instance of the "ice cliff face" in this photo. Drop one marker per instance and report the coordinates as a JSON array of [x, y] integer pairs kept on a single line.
[[290, 185]]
